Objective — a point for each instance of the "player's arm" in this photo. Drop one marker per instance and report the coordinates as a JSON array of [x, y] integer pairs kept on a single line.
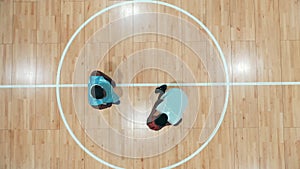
[[96, 73], [153, 114], [102, 106]]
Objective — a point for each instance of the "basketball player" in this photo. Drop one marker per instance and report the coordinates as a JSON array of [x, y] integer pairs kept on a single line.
[[168, 109], [100, 91]]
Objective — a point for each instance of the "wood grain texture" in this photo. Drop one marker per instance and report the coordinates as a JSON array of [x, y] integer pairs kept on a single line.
[[6, 22], [261, 43]]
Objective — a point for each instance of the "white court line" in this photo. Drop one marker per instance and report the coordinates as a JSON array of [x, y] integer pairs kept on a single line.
[[210, 84], [156, 85], [41, 86]]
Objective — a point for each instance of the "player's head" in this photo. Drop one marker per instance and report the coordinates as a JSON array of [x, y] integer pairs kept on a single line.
[[159, 122], [98, 92], [162, 120]]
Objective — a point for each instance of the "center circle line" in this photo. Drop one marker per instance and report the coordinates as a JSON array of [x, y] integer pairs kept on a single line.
[[150, 2]]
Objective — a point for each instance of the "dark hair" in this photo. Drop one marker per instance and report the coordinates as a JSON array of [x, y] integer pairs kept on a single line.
[[98, 92], [162, 120]]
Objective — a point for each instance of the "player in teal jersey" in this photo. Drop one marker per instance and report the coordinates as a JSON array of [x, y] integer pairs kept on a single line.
[[101, 94]]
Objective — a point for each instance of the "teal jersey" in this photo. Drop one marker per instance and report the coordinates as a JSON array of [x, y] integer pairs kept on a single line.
[[111, 96], [173, 105]]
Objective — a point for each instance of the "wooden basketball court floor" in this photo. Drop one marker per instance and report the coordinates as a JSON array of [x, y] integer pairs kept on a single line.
[[261, 43]]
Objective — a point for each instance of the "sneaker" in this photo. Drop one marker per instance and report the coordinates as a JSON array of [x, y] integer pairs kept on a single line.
[[161, 89]]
